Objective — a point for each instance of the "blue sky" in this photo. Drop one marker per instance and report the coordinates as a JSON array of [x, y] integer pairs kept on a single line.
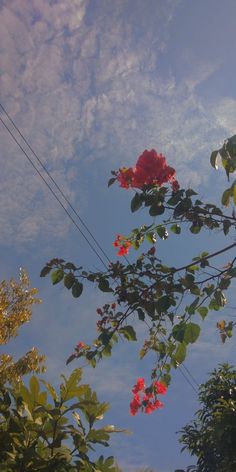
[[91, 84]]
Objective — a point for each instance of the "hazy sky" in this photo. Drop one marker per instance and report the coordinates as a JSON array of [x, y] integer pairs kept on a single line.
[[91, 84]]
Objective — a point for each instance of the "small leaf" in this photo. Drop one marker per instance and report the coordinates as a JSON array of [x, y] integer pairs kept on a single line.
[[77, 289], [225, 199], [202, 310], [69, 280], [190, 192], [128, 332], [111, 181], [136, 202], [175, 229], [56, 276], [70, 266]]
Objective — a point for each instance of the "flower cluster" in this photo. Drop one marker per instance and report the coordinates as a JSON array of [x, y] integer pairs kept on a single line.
[[123, 244], [150, 169], [146, 398]]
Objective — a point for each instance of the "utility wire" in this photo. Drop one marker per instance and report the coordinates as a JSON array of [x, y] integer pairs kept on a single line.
[[52, 191], [55, 183]]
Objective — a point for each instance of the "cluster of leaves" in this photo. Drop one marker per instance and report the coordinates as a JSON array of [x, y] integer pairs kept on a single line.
[[227, 154], [16, 301], [211, 436], [42, 430]]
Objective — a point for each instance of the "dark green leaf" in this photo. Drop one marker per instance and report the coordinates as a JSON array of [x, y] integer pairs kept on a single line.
[[190, 192], [111, 181], [45, 271], [77, 289], [136, 202], [104, 286], [156, 210], [69, 280], [70, 266], [178, 332]]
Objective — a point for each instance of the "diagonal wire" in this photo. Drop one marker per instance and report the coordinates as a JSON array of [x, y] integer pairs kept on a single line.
[[52, 191], [55, 183]]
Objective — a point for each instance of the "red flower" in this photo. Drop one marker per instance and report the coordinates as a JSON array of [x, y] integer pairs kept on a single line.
[[160, 388], [150, 169]]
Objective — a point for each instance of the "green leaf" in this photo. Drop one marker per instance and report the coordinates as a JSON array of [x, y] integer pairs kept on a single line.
[[202, 310], [225, 199], [136, 202], [180, 353], [56, 276], [69, 280], [213, 159], [196, 228], [77, 289], [151, 237], [175, 229], [162, 232], [128, 332], [104, 286], [192, 332]]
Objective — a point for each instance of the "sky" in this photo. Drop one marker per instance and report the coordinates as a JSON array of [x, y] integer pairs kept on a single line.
[[91, 84]]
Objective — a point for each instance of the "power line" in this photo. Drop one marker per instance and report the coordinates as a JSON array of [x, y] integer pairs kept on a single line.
[[55, 183], [52, 191]]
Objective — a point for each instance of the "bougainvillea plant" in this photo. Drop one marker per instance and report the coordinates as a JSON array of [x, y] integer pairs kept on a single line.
[[169, 301]]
